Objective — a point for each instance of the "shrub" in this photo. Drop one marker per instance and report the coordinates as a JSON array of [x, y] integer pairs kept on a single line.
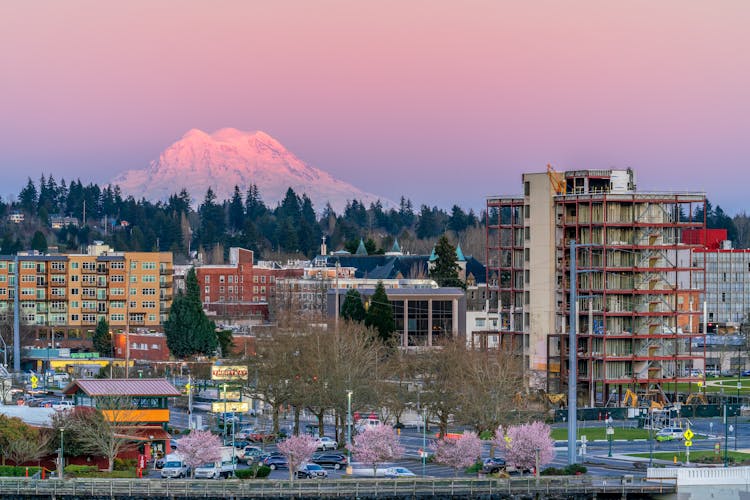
[[487, 435], [474, 468], [17, 470], [568, 470], [124, 463], [254, 472], [81, 470]]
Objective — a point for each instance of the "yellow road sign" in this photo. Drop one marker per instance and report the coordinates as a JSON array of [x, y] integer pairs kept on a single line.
[[34, 381], [688, 443], [688, 434]]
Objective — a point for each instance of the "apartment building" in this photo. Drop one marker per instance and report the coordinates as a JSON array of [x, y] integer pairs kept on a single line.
[[63, 296], [632, 267]]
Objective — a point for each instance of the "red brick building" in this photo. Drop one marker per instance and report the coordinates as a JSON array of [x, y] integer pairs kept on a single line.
[[240, 288]]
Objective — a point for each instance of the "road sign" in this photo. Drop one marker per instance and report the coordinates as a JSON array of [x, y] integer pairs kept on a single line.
[[688, 434], [34, 381], [688, 443], [700, 384], [610, 430]]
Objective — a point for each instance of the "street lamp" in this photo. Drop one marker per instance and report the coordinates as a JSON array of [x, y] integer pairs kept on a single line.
[[536, 463], [610, 436], [349, 431], [62, 454], [424, 443]]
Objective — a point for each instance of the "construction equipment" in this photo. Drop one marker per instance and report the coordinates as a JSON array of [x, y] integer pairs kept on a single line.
[[696, 396], [560, 400], [631, 398], [655, 405], [557, 179]]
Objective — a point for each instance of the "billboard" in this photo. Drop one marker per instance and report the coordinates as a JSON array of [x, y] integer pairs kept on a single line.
[[230, 406], [229, 372]]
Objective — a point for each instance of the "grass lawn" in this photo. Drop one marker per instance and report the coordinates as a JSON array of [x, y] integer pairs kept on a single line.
[[593, 433], [727, 384], [695, 455]]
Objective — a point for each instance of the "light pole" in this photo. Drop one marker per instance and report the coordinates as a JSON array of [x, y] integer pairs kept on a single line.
[[536, 463], [650, 438], [424, 442], [349, 432], [62, 454], [726, 434], [610, 438]]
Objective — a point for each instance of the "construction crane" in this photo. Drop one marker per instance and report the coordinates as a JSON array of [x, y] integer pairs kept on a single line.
[[557, 180]]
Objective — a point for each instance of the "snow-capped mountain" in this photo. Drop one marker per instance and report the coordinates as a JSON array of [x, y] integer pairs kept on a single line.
[[230, 157]]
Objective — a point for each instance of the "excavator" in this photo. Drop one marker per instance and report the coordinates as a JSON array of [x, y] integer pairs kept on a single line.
[[699, 396], [631, 399]]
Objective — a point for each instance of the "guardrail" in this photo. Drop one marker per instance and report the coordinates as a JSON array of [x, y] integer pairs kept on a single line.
[[407, 488]]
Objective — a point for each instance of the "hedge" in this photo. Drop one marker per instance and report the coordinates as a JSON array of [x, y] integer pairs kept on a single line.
[[17, 470], [255, 472]]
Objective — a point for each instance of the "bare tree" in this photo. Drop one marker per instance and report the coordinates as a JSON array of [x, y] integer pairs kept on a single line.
[[440, 371], [29, 448], [106, 430]]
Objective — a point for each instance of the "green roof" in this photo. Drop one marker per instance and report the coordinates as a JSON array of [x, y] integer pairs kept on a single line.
[[361, 250]]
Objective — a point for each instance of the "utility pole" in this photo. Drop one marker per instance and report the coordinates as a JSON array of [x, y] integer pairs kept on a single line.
[[572, 358]]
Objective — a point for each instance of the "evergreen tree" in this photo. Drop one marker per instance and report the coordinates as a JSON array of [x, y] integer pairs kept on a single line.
[[212, 220], [103, 339], [39, 242], [236, 210], [445, 272], [28, 196], [379, 315], [352, 308], [188, 329]]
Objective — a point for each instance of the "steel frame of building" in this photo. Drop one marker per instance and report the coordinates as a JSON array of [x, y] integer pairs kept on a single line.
[[648, 348]]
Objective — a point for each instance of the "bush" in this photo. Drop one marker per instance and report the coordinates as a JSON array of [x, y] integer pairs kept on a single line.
[[487, 435], [569, 470], [81, 470], [474, 468], [124, 463], [254, 472], [17, 470]]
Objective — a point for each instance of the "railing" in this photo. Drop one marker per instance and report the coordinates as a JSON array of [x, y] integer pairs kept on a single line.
[[411, 488]]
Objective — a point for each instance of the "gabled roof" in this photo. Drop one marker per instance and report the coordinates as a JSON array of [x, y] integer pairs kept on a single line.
[[361, 250], [122, 387], [396, 248], [459, 254]]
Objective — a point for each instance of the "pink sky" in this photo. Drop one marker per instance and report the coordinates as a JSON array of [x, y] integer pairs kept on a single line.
[[443, 101]]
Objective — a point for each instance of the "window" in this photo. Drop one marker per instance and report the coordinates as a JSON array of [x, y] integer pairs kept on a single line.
[[148, 266], [148, 278], [117, 265], [255, 279], [117, 278], [262, 279], [527, 233], [73, 317], [74, 291], [58, 266], [207, 279], [149, 291], [74, 278], [207, 290], [527, 188], [526, 254], [527, 211], [221, 279]]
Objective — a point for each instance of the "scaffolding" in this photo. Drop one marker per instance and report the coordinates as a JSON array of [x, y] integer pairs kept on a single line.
[[635, 275]]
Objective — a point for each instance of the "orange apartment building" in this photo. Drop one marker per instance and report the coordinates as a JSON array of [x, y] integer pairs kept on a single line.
[[63, 296]]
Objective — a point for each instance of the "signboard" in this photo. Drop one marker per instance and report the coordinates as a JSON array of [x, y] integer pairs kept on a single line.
[[230, 407], [229, 395], [688, 443], [688, 435], [229, 372]]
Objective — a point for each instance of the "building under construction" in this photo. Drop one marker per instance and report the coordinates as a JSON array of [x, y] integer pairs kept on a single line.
[[637, 299]]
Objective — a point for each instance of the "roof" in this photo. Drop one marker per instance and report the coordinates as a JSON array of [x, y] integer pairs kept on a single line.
[[361, 250], [396, 248], [459, 254], [389, 266], [123, 387]]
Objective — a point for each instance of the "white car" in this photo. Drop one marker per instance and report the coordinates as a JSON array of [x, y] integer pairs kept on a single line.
[[63, 405], [326, 443], [399, 472]]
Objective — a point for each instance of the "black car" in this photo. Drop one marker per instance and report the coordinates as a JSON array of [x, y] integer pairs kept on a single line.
[[276, 462], [335, 460], [493, 464]]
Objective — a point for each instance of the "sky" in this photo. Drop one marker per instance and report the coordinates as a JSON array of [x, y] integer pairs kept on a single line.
[[442, 101]]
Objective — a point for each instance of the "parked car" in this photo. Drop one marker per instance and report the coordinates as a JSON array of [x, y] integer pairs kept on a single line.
[[251, 454], [395, 472], [175, 467], [669, 434], [493, 465], [745, 373], [244, 433], [63, 405], [311, 471], [276, 462], [326, 443], [335, 460]]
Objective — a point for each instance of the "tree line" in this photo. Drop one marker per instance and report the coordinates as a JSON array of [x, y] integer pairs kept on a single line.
[[294, 226]]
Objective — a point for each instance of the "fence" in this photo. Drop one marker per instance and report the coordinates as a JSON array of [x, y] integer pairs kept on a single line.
[[406, 488]]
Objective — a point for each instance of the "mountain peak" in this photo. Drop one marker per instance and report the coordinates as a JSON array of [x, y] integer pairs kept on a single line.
[[229, 157]]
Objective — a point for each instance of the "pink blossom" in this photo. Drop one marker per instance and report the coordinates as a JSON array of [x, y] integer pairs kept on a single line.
[[376, 445], [458, 453], [521, 443], [200, 447], [298, 450]]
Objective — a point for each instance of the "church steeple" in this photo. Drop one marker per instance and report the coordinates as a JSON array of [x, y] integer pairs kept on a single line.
[[361, 250]]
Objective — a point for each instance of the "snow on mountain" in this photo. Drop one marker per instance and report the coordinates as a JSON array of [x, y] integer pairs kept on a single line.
[[230, 157]]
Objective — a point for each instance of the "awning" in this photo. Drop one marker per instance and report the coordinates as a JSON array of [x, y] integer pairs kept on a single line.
[[144, 433]]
